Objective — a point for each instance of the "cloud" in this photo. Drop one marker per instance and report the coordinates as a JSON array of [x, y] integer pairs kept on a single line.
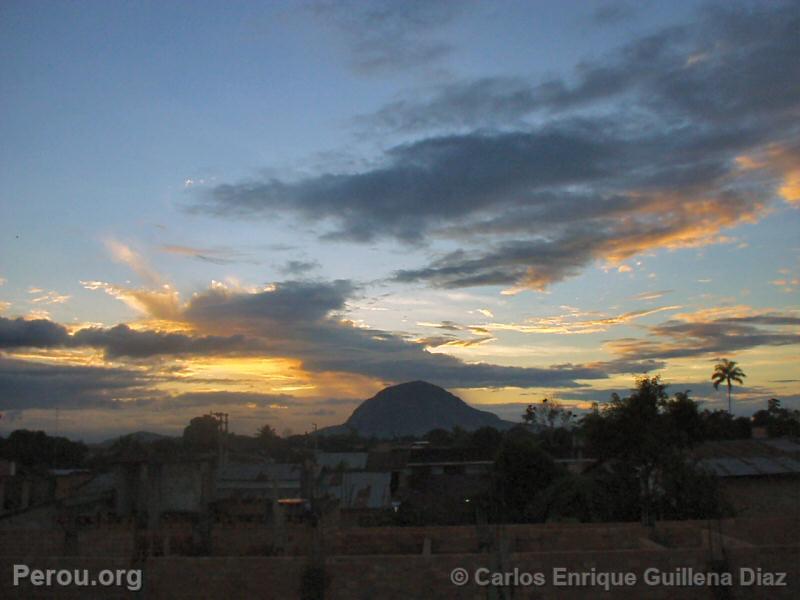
[[571, 323], [638, 152], [781, 163], [163, 303], [126, 255], [386, 36], [27, 385], [425, 183], [303, 320], [297, 320], [452, 341], [118, 341], [220, 398], [732, 61], [217, 256], [50, 297], [610, 13], [37, 333], [290, 302], [712, 333], [650, 295], [122, 341], [488, 101], [299, 267]]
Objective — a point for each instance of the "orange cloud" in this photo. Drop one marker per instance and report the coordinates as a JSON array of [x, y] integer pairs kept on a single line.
[[781, 162], [163, 304], [566, 324]]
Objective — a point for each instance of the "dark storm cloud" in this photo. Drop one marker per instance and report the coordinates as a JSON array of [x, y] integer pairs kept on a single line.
[[21, 333], [121, 340], [386, 36], [714, 337], [27, 385], [118, 341], [290, 301], [429, 182]]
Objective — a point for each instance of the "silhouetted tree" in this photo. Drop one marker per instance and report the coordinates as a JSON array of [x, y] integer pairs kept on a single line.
[[727, 371], [638, 432], [548, 413], [487, 440], [37, 448], [202, 433], [522, 470], [685, 416], [269, 441], [439, 437], [722, 425], [778, 421]]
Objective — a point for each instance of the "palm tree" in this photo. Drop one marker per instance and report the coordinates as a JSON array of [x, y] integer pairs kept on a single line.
[[727, 371]]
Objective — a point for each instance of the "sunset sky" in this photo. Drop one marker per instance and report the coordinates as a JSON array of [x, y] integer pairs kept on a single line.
[[276, 209]]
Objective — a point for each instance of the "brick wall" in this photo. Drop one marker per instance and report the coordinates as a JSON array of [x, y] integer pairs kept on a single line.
[[246, 539], [388, 577]]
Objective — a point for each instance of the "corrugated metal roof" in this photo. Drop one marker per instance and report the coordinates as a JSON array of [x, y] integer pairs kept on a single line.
[[391, 460], [747, 448], [359, 489], [259, 472], [355, 461], [751, 466], [783, 444]]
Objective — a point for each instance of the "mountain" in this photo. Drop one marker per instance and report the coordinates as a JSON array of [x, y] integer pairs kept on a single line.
[[414, 408]]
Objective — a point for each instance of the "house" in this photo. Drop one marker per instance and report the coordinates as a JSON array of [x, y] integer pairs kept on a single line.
[[158, 487], [759, 476], [359, 495], [350, 461], [248, 491]]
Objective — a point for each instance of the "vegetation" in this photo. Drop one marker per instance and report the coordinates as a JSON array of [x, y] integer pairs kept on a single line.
[[202, 433], [548, 414], [36, 448], [522, 471], [641, 443], [727, 371], [778, 421], [643, 437]]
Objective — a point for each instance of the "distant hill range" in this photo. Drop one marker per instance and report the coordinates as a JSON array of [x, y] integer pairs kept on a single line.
[[143, 437], [414, 408]]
